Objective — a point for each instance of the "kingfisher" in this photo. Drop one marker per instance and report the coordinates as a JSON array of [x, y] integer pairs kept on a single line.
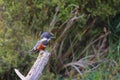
[[43, 42]]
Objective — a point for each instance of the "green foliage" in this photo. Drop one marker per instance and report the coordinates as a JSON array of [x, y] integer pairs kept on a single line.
[[22, 20], [114, 39], [15, 42], [103, 72], [102, 8]]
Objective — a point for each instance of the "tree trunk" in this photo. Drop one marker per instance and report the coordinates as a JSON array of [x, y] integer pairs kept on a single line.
[[36, 70]]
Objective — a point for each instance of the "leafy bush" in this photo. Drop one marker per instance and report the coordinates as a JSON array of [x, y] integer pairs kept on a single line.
[[82, 28]]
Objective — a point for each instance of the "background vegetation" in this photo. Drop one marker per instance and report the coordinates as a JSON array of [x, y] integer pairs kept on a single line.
[[87, 43]]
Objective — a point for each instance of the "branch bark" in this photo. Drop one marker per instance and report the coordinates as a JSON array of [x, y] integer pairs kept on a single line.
[[36, 70]]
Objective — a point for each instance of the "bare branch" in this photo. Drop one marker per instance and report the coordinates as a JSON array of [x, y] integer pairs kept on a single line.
[[54, 18], [102, 36], [36, 70], [77, 70]]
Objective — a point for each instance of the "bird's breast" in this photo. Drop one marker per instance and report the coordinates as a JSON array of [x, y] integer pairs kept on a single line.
[[41, 47]]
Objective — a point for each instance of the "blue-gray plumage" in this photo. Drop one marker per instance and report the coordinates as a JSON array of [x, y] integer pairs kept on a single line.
[[47, 35]]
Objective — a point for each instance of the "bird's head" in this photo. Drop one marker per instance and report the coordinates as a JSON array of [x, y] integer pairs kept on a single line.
[[47, 35]]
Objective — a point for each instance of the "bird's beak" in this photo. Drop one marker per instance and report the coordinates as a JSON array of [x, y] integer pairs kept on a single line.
[[52, 36]]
